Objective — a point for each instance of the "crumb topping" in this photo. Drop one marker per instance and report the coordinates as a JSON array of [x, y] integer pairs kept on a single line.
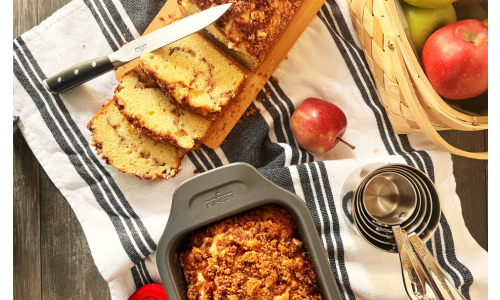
[[255, 255], [254, 24]]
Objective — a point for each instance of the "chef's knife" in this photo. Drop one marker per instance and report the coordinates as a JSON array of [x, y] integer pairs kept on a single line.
[[88, 70]]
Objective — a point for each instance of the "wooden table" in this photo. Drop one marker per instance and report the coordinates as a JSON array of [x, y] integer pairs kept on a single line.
[[52, 259]]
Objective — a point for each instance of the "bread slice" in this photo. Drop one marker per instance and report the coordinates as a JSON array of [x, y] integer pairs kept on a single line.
[[128, 150], [194, 73], [250, 28], [150, 110]]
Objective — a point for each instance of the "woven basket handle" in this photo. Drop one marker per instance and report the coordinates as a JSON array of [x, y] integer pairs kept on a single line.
[[418, 112]]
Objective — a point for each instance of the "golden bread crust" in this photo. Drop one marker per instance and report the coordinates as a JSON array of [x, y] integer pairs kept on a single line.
[[195, 74], [138, 119], [101, 145], [249, 27]]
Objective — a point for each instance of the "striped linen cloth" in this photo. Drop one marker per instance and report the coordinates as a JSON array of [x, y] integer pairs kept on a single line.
[[123, 217]]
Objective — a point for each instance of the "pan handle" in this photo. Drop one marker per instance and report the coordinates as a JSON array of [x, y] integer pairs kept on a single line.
[[222, 192]]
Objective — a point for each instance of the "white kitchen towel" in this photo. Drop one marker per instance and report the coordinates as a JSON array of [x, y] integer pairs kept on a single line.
[[123, 217]]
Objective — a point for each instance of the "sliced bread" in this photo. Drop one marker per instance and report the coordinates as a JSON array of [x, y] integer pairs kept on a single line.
[[194, 73], [151, 111], [130, 151]]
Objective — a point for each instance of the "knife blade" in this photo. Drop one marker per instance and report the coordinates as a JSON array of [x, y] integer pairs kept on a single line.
[[83, 72]]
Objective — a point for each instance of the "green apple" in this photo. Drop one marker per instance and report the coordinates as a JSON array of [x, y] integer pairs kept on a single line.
[[424, 21], [475, 12], [485, 22], [429, 3]]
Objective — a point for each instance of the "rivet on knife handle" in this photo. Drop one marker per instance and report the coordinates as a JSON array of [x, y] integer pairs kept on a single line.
[[444, 285], [78, 74]]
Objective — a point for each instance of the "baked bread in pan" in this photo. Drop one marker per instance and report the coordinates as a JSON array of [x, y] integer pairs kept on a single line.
[[254, 255]]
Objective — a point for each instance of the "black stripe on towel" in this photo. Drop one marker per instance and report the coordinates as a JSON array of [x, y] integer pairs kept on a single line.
[[111, 28], [279, 176], [87, 154], [212, 156], [440, 257], [305, 181], [204, 160], [327, 234], [285, 122], [336, 229], [143, 265], [142, 13], [75, 161], [89, 151], [115, 15], [140, 268], [363, 76], [137, 277], [272, 109], [452, 259], [195, 162], [105, 32], [362, 65], [306, 156]]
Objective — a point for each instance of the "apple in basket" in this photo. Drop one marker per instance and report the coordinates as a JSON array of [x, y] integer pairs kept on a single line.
[[455, 59], [318, 125], [424, 21], [429, 3]]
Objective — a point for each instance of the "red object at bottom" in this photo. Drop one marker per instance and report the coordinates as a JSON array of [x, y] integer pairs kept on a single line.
[[150, 291]]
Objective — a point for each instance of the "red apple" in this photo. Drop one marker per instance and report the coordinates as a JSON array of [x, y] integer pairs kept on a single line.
[[317, 124], [455, 59]]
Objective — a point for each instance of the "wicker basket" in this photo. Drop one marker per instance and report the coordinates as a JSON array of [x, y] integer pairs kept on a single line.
[[411, 103]]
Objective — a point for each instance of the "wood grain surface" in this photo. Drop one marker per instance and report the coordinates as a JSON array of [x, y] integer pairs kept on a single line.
[[51, 256], [52, 259]]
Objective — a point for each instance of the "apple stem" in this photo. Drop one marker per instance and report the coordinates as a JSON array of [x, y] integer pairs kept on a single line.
[[349, 145]]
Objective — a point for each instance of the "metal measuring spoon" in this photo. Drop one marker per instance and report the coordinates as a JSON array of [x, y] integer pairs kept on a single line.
[[391, 202], [389, 198], [410, 224], [382, 203], [441, 282]]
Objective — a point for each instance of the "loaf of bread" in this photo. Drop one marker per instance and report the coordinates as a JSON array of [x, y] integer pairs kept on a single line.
[[253, 255], [194, 73], [130, 151], [250, 28], [150, 110]]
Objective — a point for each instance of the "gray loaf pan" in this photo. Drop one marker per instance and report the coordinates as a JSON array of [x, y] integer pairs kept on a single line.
[[222, 193]]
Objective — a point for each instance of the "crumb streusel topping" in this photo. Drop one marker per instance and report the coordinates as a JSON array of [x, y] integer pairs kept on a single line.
[[254, 255], [254, 25]]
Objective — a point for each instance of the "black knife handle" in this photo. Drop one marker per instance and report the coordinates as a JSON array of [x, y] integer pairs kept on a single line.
[[78, 74]]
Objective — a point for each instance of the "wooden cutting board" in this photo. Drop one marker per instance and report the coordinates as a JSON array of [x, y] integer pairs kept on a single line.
[[255, 81]]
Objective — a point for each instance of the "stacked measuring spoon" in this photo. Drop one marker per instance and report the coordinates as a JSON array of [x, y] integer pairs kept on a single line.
[[396, 208]]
